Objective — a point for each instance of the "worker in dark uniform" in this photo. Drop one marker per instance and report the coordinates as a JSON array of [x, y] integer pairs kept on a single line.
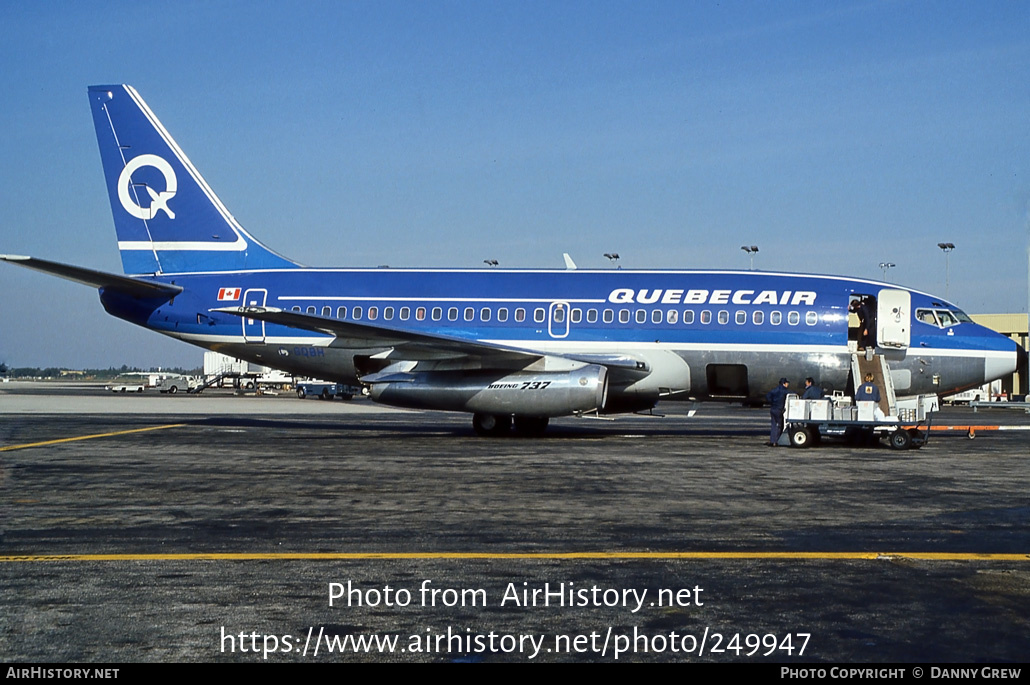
[[867, 392], [777, 399], [812, 391], [867, 323]]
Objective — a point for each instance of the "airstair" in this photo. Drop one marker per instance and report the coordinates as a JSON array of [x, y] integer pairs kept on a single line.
[[880, 369], [211, 380]]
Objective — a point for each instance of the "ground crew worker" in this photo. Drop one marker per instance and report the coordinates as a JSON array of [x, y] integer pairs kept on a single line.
[[868, 392], [777, 399], [812, 391]]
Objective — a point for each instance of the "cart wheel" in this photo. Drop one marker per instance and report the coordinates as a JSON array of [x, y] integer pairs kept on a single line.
[[901, 440], [800, 437], [971, 434]]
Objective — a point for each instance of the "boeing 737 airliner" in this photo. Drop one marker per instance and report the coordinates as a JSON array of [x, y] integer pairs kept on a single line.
[[509, 346]]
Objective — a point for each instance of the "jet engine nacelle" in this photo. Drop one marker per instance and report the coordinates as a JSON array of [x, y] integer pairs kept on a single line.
[[523, 393]]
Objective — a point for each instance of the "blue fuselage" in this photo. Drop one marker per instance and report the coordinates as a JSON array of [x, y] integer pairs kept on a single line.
[[706, 334]]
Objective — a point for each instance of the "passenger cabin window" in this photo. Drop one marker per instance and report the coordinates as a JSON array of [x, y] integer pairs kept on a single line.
[[558, 314], [740, 318], [641, 316], [327, 312], [373, 313], [484, 314], [706, 316], [388, 313], [672, 316], [341, 312], [311, 309], [775, 318], [357, 313], [656, 316], [724, 316], [420, 314], [623, 316], [405, 313], [520, 314], [688, 316], [577, 315], [437, 313], [811, 318], [470, 313], [502, 314], [452, 314], [538, 315], [793, 318], [296, 309], [591, 316], [758, 318], [609, 316]]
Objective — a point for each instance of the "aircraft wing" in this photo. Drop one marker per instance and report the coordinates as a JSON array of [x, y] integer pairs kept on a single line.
[[415, 346], [133, 287]]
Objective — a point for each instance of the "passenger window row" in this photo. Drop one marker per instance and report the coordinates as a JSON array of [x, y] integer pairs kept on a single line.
[[485, 314]]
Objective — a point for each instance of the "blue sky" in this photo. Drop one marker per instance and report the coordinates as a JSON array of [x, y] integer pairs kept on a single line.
[[834, 136]]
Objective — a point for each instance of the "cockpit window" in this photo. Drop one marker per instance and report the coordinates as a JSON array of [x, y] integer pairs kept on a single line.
[[927, 316], [942, 318]]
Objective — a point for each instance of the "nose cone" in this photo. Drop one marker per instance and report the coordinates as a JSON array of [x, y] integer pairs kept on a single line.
[[1004, 363]]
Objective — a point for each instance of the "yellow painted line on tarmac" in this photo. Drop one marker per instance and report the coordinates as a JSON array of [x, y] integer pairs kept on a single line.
[[27, 445], [529, 556]]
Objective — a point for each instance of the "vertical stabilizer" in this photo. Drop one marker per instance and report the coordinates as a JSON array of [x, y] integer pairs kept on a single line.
[[167, 218]]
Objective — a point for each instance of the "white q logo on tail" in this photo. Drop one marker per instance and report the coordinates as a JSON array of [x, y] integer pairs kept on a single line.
[[158, 201]]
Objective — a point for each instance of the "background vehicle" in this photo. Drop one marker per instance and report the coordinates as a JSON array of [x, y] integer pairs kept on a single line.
[[176, 382], [326, 390], [129, 382]]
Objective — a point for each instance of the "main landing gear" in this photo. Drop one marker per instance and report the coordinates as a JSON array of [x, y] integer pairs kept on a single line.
[[500, 425]]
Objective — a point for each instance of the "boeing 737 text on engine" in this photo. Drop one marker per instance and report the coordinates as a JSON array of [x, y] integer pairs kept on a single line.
[[512, 347]]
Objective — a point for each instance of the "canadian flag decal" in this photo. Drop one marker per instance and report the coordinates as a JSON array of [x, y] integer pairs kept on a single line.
[[228, 294]]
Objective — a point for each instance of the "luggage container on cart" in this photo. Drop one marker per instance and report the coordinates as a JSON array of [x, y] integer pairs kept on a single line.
[[808, 421]]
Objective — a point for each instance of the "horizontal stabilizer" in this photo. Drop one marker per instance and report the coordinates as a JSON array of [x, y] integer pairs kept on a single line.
[[133, 287]]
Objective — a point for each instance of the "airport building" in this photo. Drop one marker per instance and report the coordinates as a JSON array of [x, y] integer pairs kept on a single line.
[[1015, 327]]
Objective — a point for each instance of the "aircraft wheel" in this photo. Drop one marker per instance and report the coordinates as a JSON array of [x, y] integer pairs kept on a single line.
[[491, 424], [301, 393], [901, 440], [800, 437], [528, 426]]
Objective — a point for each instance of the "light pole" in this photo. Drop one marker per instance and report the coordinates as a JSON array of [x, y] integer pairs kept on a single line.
[[751, 251], [884, 266], [947, 248]]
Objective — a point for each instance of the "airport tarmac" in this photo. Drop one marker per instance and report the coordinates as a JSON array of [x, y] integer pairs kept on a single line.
[[219, 528]]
